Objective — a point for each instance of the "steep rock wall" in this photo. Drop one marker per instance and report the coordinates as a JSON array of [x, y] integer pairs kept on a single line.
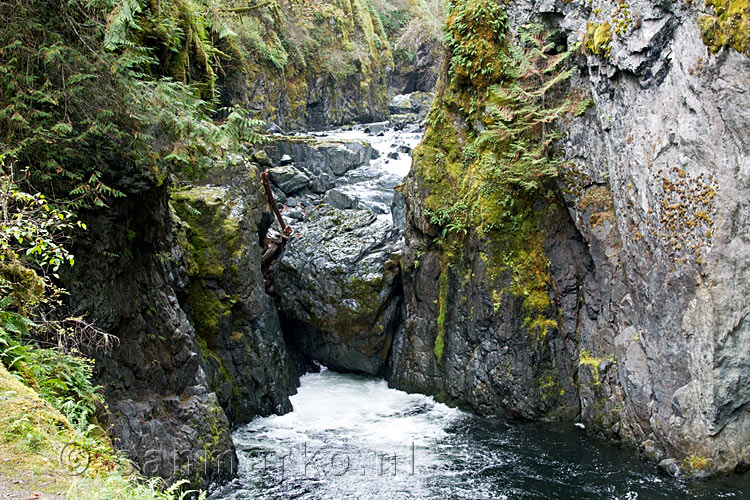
[[221, 221], [647, 271], [200, 348], [310, 64]]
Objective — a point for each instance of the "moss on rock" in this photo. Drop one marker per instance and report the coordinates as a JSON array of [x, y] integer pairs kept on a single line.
[[728, 27], [598, 39]]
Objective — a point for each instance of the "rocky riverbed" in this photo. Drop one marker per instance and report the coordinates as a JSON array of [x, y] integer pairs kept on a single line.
[[338, 281]]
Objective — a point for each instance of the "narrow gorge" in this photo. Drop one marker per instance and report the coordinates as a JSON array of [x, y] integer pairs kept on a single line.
[[517, 262]]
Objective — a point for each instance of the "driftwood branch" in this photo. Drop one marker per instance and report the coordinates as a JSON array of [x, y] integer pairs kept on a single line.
[[264, 177]]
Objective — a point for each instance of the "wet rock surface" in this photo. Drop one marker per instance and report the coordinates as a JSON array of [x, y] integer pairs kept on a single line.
[[339, 291], [164, 414], [181, 287], [338, 279]]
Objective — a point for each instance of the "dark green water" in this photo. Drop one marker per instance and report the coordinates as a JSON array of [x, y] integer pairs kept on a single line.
[[352, 437]]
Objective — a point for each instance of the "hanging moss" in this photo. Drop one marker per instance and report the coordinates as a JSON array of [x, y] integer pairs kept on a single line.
[[492, 179], [177, 32]]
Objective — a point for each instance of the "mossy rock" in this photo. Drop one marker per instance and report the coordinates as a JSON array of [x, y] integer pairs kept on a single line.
[[728, 27]]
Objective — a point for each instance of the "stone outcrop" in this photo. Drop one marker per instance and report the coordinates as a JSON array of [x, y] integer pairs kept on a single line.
[[338, 284], [322, 159], [163, 413], [644, 263], [247, 361], [196, 331]]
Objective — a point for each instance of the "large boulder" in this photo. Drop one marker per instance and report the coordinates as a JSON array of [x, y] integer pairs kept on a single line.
[[289, 179], [339, 287], [321, 159]]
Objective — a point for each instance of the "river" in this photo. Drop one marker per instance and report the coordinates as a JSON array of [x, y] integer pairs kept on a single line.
[[351, 437]]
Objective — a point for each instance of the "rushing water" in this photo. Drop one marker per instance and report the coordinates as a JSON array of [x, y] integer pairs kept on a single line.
[[351, 437]]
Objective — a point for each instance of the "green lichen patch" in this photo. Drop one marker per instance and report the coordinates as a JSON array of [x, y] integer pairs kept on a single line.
[[212, 235], [693, 462], [728, 27], [585, 359], [443, 284], [598, 40]]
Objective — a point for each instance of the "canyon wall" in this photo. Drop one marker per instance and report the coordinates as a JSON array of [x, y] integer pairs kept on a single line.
[[200, 348], [639, 245]]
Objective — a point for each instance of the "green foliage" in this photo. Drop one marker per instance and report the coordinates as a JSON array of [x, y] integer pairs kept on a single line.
[[475, 35], [64, 380], [117, 486], [514, 148], [12, 327], [174, 38], [83, 98], [510, 159], [425, 26], [33, 230], [58, 100], [241, 128], [484, 180]]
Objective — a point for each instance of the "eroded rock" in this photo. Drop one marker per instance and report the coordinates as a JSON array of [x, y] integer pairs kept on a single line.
[[338, 287]]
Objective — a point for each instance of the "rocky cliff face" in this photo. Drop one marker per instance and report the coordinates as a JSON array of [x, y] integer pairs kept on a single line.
[[221, 223], [310, 64], [641, 251], [200, 347]]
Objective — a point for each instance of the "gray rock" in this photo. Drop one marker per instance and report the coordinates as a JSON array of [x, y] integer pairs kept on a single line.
[[274, 129], [652, 299], [671, 466], [289, 179], [376, 128], [195, 326], [322, 183], [398, 211], [393, 155], [338, 199], [261, 158], [321, 157], [295, 214], [415, 103], [340, 282], [400, 104], [285, 160]]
